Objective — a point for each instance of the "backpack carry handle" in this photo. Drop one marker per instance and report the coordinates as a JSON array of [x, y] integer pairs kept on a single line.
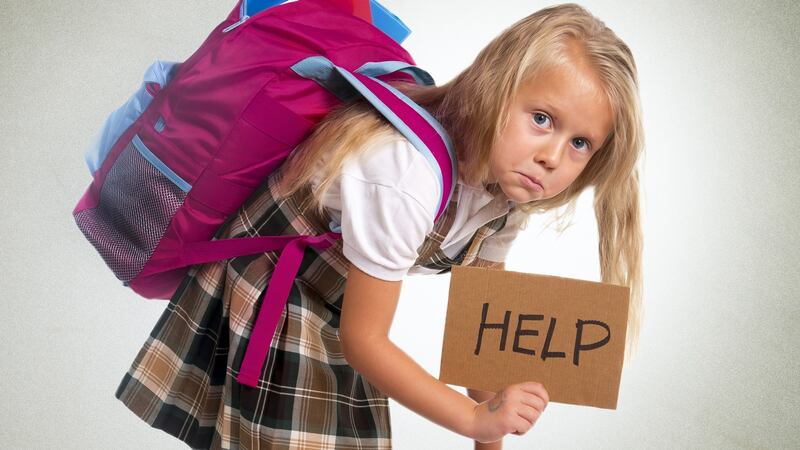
[[377, 69]]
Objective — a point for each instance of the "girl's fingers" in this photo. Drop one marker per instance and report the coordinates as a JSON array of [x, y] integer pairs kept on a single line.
[[536, 389], [524, 421], [533, 401], [529, 414]]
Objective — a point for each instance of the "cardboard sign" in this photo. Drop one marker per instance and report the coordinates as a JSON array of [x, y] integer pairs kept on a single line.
[[508, 327]]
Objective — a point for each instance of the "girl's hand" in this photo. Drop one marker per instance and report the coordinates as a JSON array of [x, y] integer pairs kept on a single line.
[[514, 409]]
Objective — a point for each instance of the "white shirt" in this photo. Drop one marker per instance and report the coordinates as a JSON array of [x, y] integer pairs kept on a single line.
[[385, 200]]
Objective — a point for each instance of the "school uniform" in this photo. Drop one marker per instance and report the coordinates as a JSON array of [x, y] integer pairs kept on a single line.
[[183, 380]]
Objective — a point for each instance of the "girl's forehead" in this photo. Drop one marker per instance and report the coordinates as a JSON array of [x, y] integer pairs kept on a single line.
[[563, 80]]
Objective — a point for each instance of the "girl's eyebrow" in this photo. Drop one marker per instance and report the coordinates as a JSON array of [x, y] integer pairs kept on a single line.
[[552, 108]]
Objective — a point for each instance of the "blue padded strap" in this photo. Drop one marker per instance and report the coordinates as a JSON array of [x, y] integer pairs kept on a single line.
[[342, 84]]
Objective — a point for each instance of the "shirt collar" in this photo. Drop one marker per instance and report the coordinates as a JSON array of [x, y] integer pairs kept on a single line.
[[490, 193]]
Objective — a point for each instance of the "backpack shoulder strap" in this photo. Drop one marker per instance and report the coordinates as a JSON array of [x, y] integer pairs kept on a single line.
[[424, 132]]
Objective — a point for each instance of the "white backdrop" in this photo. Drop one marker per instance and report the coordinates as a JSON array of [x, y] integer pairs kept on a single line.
[[718, 360]]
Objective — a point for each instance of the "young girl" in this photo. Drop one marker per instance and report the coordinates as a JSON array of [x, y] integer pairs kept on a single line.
[[549, 108]]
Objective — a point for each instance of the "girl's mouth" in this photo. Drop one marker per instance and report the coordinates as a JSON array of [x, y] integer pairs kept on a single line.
[[532, 183]]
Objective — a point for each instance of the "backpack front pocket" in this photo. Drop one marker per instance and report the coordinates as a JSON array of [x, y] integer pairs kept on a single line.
[[138, 199], [155, 78]]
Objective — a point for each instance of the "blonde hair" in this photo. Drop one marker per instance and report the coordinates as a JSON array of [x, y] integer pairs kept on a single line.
[[474, 109]]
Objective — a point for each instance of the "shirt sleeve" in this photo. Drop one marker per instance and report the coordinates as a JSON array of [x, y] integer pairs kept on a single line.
[[496, 247], [389, 197]]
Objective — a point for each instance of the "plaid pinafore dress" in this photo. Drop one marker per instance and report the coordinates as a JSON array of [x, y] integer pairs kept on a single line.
[[183, 380]]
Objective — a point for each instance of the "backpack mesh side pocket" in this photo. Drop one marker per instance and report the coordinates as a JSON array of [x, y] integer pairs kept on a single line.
[[139, 197]]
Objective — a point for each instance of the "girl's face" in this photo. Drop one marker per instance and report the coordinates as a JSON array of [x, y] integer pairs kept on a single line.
[[557, 121]]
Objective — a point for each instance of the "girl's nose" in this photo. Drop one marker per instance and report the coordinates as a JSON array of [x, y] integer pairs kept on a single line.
[[550, 154]]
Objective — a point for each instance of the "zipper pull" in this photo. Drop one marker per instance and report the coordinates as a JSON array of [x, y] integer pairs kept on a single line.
[[231, 27]]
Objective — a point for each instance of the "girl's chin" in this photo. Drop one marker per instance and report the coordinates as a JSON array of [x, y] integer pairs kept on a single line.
[[520, 194]]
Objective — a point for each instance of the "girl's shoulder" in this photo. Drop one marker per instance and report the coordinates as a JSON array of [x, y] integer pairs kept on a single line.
[[388, 194], [391, 161]]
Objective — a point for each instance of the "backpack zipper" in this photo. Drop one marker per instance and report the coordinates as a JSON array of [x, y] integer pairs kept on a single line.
[[241, 21], [242, 17]]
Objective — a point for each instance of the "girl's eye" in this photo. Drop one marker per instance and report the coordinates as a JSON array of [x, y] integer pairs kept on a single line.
[[537, 117], [581, 140], [542, 119]]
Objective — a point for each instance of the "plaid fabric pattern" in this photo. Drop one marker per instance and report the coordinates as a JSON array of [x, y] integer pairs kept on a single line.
[[431, 255], [182, 381]]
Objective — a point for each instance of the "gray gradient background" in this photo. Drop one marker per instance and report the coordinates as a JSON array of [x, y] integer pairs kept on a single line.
[[718, 360]]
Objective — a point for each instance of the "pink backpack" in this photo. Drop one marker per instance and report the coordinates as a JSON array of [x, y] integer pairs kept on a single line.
[[207, 132]]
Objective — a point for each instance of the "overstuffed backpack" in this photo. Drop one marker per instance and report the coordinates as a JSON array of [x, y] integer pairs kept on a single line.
[[188, 148]]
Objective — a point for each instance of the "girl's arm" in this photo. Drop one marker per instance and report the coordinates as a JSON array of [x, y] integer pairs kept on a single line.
[[482, 396], [367, 312]]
